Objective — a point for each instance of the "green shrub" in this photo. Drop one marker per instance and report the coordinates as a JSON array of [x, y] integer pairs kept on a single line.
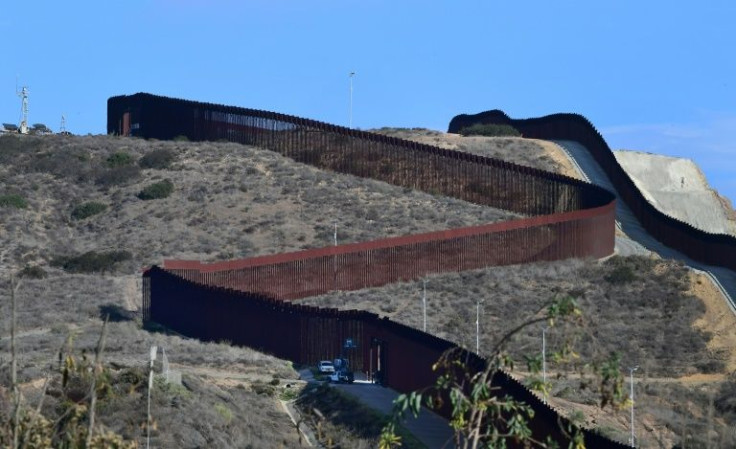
[[13, 200], [159, 159], [262, 389], [491, 130], [157, 190], [32, 272], [91, 261], [86, 210], [622, 274], [181, 138], [224, 412], [118, 175], [70, 163], [119, 159]]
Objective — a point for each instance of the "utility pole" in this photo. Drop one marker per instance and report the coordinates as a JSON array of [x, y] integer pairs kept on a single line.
[[632, 439], [334, 261], [544, 361], [154, 350], [477, 327], [424, 304], [350, 122], [23, 94]]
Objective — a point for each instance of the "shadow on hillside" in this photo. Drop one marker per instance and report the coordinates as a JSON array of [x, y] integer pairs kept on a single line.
[[116, 313]]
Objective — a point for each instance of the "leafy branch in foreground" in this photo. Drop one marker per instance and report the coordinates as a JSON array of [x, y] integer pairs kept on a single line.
[[78, 385], [480, 414]]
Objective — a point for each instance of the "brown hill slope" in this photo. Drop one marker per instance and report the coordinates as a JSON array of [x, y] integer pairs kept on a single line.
[[234, 201]]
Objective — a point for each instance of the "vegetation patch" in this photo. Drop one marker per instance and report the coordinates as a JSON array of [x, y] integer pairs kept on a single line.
[[490, 130], [157, 190], [13, 200], [345, 421], [119, 159], [32, 272], [91, 261], [118, 175], [86, 210], [159, 159]]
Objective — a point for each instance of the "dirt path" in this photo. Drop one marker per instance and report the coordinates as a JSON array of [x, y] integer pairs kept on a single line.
[[131, 288]]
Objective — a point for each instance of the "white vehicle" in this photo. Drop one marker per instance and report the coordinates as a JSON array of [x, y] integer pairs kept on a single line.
[[325, 366], [341, 376], [342, 373]]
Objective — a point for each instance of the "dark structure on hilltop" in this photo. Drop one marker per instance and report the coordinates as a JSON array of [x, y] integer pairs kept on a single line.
[[247, 301], [712, 249]]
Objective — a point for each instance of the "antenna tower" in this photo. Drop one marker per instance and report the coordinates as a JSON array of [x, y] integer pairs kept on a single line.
[[23, 94], [62, 128]]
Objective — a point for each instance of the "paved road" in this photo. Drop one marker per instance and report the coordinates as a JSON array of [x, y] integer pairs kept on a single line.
[[428, 427], [638, 237]]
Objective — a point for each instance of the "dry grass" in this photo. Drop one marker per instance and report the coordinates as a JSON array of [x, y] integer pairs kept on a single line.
[[228, 201], [234, 201], [653, 321]]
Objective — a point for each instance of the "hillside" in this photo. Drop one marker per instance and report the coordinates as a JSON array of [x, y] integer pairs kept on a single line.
[[232, 201], [678, 188]]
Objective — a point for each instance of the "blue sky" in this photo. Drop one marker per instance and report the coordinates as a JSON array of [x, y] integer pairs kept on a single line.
[[653, 76]]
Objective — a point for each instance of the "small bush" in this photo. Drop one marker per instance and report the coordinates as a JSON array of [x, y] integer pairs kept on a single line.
[[158, 159], [86, 210], [622, 274], [157, 190], [69, 163], [91, 261], [262, 389], [181, 138], [32, 272], [490, 130], [224, 412], [118, 175], [119, 159], [624, 269], [13, 200]]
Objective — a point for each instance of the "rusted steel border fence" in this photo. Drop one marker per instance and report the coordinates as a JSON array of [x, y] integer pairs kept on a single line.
[[712, 249], [562, 218], [304, 334], [371, 264]]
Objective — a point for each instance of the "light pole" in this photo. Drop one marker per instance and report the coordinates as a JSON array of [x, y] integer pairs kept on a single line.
[[334, 261], [477, 327], [154, 350], [544, 361], [632, 440], [424, 304], [351, 100]]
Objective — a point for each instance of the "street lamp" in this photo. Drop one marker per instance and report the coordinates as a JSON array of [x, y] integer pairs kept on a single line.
[[632, 439], [351, 100]]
